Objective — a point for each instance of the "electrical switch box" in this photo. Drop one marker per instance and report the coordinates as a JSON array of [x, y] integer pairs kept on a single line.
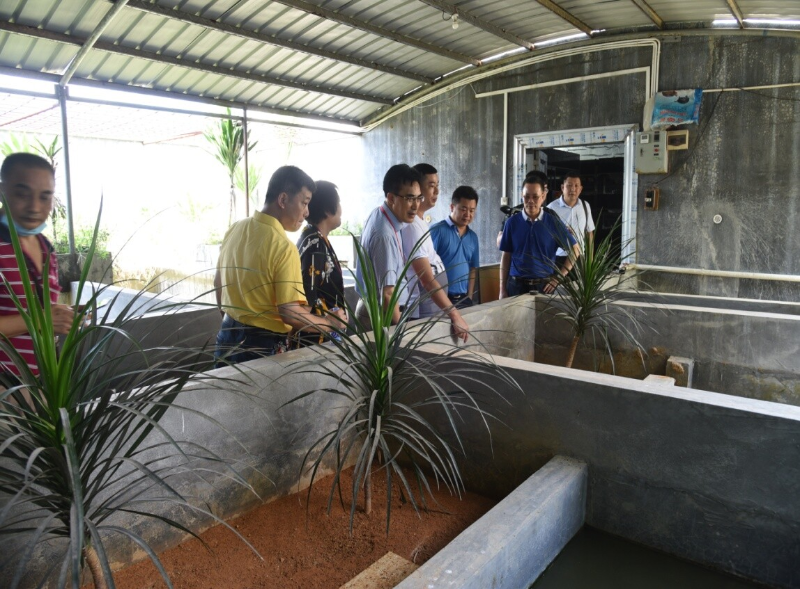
[[651, 153], [651, 196]]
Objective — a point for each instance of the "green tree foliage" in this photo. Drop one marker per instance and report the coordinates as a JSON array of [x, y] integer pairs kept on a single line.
[[227, 139]]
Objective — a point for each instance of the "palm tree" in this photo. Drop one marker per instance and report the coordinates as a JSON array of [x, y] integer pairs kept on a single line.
[[228, 141]]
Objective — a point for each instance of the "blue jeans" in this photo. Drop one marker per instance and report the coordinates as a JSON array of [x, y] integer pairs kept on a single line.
[[237, 342]]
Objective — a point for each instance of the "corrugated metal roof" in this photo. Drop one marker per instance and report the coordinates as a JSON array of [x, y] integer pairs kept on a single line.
[[343, 59]]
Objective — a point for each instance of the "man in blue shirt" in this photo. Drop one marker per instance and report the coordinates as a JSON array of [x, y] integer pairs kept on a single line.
[[530, 241], [457, 245]]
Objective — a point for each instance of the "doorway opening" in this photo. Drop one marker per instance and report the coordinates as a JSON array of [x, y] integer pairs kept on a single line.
[[603, 156], [602, 170]]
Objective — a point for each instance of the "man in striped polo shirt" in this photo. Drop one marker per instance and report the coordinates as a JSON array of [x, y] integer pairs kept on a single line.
[[27, 183]]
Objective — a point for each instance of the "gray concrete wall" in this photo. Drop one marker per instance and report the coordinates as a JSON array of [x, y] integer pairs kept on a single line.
[[746, 353], [509, 547], [240, 415], [741, 163], [709, 477], [712, 478]]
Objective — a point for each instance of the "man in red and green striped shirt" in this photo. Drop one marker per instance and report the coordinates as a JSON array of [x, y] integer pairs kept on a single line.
[[27, 182]]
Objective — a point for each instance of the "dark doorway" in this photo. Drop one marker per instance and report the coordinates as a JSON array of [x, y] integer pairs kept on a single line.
[[601, 168]]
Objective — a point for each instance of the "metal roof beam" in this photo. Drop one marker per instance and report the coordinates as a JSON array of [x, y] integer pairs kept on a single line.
[[87, 46], [364, 26], [736, 11], [567, 16], [211, 69], [479, 23], [651, 14], [222, 27]]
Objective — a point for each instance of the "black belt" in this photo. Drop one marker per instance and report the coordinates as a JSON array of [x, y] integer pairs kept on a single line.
[[529, 282], [454, 298]]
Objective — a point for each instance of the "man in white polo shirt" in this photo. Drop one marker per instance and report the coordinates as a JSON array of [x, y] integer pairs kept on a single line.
[[574, 212]]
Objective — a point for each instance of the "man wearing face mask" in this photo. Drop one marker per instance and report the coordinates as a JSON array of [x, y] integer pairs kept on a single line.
[[530, 241], [27, 183]]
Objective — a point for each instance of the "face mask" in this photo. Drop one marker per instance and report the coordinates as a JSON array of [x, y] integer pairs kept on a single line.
[[21, 230]]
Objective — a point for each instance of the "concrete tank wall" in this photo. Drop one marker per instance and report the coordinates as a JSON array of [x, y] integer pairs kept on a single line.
[[741, 162]]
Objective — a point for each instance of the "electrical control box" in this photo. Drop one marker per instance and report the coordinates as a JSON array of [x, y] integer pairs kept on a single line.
[[651, 153]]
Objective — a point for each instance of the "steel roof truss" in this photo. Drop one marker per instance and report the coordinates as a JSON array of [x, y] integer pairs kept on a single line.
[[364, 26], [479, 23], [211, 69], [270, 39], [567, 16]]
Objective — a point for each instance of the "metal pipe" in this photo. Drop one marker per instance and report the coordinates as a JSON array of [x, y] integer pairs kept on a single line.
[[716, 273], [501, 67], [503, 193], [89, 43], [246, 165], [61, 93], [636, 70], [765, 87]]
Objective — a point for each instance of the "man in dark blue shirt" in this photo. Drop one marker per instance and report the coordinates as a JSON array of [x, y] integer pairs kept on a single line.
[[457, 245], [530, 241]]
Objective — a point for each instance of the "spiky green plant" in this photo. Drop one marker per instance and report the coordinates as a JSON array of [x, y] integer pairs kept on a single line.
[[393, 391], [585, 298], [228, 141], [75, 439]]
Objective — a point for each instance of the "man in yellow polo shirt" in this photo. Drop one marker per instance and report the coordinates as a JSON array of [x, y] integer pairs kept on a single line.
[[258, 281]]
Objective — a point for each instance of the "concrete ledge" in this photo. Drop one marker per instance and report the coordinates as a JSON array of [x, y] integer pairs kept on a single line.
[[510, 546]]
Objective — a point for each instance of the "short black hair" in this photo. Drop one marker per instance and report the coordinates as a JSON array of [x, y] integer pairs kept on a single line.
[[23, 160], [425, 169], [324, 202], [398, 176], [288, 179], [572, 174], [464, 193], [536, 177]]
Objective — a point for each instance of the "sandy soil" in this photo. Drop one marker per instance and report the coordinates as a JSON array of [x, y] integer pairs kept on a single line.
[[309, 549]]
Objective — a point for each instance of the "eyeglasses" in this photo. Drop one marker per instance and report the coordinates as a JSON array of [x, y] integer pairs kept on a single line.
[[410, 198]]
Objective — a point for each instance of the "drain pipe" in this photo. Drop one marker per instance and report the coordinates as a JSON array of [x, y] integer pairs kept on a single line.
[[715, 273], [469, 78]]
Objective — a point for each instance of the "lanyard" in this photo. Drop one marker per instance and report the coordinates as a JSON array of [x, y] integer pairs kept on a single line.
[[396, 235]]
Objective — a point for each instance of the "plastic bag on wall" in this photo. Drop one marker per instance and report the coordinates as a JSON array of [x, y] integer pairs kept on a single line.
[[676, 107]]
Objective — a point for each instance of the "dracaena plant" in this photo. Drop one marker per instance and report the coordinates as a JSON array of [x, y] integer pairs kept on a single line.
[[80, 440], [401, 404], [586, 297]]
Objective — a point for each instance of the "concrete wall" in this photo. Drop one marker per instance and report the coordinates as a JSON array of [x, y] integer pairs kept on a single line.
[[741, 163], [744, 352], [708, 477]]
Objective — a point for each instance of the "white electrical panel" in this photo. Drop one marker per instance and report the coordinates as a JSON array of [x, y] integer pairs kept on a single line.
[[651, 153]]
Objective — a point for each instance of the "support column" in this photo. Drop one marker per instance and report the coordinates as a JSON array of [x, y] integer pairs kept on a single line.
[[62, 93], [246, 164]]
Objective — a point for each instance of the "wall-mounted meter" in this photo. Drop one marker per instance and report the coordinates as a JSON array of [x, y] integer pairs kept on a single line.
[[651, 152]]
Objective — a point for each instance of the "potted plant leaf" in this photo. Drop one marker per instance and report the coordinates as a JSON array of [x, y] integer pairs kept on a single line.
[[74, 451], [586, 297], [394, 395]]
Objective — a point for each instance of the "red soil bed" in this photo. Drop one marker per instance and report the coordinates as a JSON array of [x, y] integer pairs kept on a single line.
[[309, 549]]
